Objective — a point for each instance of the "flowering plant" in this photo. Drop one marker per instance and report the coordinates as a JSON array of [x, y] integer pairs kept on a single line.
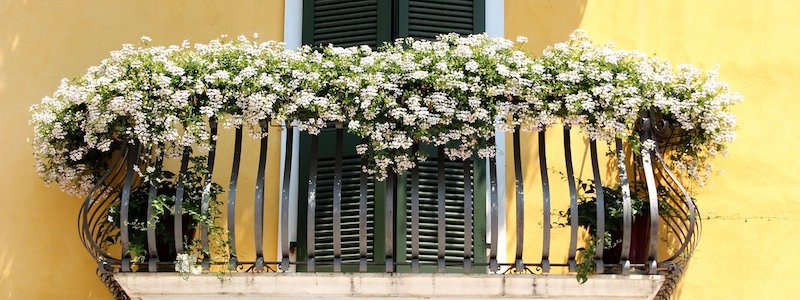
[[606, 92], [453, 92], [195, 189]]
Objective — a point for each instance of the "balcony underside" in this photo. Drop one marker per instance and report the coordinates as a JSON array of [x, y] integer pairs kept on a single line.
[[383, 285]]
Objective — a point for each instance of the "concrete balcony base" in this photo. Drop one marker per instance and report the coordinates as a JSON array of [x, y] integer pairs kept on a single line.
[[384, 285]]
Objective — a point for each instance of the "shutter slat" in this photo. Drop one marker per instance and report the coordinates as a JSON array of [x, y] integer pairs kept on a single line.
[[440, 23], [345, 26], [429, 11], [358, 40], [446, 18], [436, 29], [345, 18], [339, 14], [442, 8], [352, 35], [338, 5]]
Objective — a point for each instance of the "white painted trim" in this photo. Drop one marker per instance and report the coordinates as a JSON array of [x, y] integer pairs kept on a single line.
[[292, 37], [293, 23], [495, 27]]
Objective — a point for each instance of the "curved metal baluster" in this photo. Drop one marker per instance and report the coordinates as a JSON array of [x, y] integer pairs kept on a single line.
[[545, 204], [389, 221], [125, 205], [601, 207], [237, 157], [179, 191], [573, 202], [415, 214], [653, 199], [518, 263], [494, 213], [441, 222], [100, 228], [337, 199], [681, 214], [652, 194], [85, 233], [311, 214], [259, 205], [362, 216], [100, 212], [467, 165], [152, 264], [212, 123], [627, 215], [287, 173], [98, 208], [689, 203]]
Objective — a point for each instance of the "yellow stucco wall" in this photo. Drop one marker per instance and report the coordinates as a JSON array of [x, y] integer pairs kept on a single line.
[[746, 243], [43, 41], [752, 208]]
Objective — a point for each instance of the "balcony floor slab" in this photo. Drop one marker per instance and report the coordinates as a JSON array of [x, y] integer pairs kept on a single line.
[[385, 285]]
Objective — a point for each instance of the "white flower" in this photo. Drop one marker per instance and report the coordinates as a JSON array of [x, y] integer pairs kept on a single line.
[[419, 74]]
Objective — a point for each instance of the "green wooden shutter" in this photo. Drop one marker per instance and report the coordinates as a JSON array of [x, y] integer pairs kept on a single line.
[[364, 22], [346, 22], [323, 227], [454, 216], [429, 18]]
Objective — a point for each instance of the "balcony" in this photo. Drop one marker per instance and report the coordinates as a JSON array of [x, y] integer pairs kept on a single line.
[[442, 229], [405, 179]]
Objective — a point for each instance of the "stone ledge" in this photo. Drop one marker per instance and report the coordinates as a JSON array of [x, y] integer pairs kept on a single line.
[[383, 285]]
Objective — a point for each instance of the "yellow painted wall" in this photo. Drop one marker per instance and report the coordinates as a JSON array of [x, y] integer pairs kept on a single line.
[[745, 249], [41, 42], [752, 208]]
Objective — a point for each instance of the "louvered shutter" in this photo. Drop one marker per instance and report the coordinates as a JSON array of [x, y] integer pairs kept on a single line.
[[364, 22], [351, 191], [454, 213], [346, 22], [429, 18]]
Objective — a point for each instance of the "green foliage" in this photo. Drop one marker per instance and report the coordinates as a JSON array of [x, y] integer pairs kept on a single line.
[[614, 222], [195, 188]]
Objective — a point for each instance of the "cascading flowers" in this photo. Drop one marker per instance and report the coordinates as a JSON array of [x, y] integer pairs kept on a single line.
[[455, 91], [607, 91]]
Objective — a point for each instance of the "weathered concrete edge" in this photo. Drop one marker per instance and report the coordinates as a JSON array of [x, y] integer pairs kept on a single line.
[[144, 285]]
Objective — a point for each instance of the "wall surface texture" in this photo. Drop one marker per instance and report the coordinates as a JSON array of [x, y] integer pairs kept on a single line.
[[44, 41], [751, 210]]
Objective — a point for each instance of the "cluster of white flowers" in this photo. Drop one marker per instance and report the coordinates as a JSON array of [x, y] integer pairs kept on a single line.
[[442, 92], [455, 92], [187, 264], [606, 91]]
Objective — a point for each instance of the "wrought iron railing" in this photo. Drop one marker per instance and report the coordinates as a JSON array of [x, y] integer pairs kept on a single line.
[[374, 246]]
